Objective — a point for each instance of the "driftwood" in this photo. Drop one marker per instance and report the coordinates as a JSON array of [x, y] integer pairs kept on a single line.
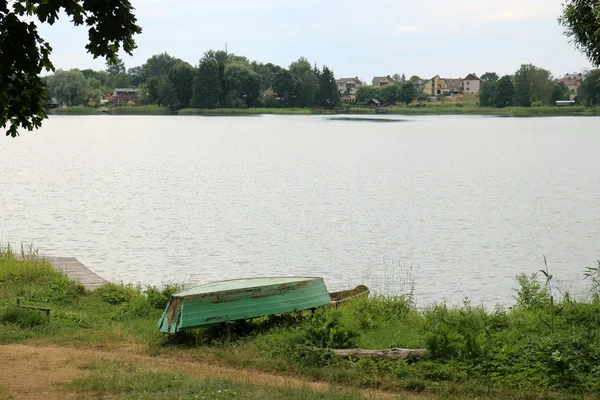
[[390, 354]]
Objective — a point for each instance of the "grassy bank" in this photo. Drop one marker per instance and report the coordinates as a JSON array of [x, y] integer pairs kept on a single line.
[[142, 110], [453, 109], [252, 111], [449, 108], [541, 348], [137, 110], [79, 110]]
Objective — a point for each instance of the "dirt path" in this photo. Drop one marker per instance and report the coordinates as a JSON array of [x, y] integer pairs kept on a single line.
[[29, 372]]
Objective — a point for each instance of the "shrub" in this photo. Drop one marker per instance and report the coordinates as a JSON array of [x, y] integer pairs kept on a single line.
[[137, 307], [23, 317], [531, 294], [58, 290], [159, 298], [116, 294], [457, 333], [327, 330]]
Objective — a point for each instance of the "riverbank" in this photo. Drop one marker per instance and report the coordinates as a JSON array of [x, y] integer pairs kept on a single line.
[[540, 348], [427, 109]]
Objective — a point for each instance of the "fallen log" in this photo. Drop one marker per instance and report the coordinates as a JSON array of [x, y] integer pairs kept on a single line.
[[390, 354]]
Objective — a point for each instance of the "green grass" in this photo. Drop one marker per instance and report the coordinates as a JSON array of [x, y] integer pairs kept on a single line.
[[78, 110], [541, 347], [118, 380], [451, 108], [252, 111], [4, 394], [141, 110]]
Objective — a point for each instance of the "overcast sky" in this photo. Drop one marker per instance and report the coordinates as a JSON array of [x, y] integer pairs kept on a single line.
[[354, 38]]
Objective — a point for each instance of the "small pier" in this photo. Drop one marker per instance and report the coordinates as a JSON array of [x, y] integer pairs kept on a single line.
[[76, 271]]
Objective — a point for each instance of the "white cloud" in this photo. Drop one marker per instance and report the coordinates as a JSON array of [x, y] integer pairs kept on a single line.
[[408, 29]]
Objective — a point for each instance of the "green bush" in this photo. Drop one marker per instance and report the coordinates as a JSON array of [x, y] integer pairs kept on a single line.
[[159, 298], [531, 294], [23, 317], [137, 307], [327, 330], [371, 312], [58, 290], [457, 333], [116, 294]]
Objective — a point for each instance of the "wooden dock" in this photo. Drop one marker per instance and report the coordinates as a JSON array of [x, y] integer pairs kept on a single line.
[[76, 271]]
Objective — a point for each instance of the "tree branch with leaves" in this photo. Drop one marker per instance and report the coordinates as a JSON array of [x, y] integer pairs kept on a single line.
[[25, 55], [582, 20]]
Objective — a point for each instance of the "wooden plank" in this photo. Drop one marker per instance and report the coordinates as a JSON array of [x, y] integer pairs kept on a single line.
[[76, 271]]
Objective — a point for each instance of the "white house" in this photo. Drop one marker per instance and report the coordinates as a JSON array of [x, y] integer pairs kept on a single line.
[[471, 84]]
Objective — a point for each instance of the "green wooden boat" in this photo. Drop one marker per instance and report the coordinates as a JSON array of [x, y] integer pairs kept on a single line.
[[218, 302]]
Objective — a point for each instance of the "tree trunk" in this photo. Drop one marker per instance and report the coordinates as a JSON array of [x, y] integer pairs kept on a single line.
[[390, 354]]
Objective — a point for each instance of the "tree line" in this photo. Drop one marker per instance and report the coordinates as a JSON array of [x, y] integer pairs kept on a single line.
[[221, 79], [535, 86]]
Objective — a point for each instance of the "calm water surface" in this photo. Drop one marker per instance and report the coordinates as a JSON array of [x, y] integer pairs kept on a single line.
[[469, 202]]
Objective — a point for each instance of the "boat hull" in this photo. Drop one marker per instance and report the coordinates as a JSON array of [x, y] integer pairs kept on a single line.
[[241, 299]]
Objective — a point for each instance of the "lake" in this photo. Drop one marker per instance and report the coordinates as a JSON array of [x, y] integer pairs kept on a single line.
[[459, 205]]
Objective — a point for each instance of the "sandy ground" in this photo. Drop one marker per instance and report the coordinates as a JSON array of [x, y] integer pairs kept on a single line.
[[30, 372]]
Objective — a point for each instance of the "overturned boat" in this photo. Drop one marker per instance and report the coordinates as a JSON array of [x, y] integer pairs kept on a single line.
[[218, 302]]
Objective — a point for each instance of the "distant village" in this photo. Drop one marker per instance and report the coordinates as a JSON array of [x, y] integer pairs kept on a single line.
[[437, 86], [432, 89]]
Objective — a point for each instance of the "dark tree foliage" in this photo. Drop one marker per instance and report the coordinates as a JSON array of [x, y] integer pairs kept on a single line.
[[582, 20], [408, 92], [490, 77], [560, 92], [306, 82], [167, 95], [487, 93], [497, 94], [589, 91], [504, 92], [267, 73], [389, 93], [135, 74], [242, 84], [284, 85], [328, 95], [25, 54], [115, 67], [366, 93], [532, 84], [182, 78], [158, 65], [206, 90]]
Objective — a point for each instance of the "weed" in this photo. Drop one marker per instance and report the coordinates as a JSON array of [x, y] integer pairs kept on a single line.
[[327, 330], [593, 274]]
